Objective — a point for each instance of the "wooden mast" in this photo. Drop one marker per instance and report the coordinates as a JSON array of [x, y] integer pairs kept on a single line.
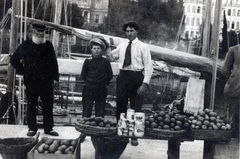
[[206, 29], [215, 48], [12, 47], [57, 19]]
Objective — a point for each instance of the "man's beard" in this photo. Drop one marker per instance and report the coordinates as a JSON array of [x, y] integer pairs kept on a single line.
[[38, 40]]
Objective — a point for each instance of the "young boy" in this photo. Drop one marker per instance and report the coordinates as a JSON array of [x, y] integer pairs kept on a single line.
[[97, 74]]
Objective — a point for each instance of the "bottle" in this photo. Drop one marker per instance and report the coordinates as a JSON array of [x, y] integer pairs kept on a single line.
[[130, 114], [121, 124]]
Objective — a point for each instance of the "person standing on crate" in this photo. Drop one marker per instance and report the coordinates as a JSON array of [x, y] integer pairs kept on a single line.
[[231, 72], [35, 59], [97, 74], [136, 69]]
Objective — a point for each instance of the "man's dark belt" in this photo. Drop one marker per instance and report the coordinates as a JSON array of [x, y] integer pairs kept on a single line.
[[130, 71]]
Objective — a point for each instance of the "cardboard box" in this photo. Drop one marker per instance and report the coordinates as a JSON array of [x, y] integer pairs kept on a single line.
[[76, 155]]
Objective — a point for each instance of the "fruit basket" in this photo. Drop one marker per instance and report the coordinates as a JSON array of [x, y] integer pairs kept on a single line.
[[95, 130], [16, 148], [95, 126], [166, 125], [207, 125], [165, 134]]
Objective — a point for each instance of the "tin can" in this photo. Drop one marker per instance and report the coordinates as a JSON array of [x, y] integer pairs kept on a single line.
[[131, 127], [122, 125], [139, 119]]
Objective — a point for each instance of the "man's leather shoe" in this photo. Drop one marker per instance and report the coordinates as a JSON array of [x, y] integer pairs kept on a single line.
[[53, 133], [134, 141], [31, 133], [82, 138]]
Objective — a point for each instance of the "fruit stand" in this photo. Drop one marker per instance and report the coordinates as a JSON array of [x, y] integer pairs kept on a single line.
[[163, 125]]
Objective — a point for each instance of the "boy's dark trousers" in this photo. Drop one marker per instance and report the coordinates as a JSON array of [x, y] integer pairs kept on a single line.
[[91, 95]]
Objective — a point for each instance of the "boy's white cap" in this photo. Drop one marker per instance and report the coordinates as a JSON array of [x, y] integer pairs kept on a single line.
[[98, 41]]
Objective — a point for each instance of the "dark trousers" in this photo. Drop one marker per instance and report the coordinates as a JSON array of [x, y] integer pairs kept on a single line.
[[91, 95], [128, 83], [234, 121], [44, 90], [233, 105]]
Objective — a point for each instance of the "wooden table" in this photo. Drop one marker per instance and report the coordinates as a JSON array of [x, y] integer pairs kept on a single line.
[[174, 144]]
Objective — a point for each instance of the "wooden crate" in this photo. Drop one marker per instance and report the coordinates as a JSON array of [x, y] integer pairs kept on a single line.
[[211, 135], [76, 155]]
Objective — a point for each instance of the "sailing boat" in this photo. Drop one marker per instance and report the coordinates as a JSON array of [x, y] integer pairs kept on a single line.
[[172, 57]]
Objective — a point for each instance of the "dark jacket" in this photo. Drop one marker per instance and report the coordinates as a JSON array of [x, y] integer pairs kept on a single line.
[[231, 71], [97, 72], [35, 62]]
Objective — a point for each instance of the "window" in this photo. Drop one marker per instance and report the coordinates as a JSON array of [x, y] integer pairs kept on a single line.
[[187, 34], [229, 12], [198, 9], [193, 21], [96, 18], [238, 13], [188, 8], [187, 21], [234, 12], [228, 24], [97, 4], [237, 27], [192, 34], [198, 22], [194, 9], [233, 25]]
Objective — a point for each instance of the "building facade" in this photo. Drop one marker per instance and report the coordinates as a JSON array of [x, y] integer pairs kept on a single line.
[[93, 11], [194, 12]]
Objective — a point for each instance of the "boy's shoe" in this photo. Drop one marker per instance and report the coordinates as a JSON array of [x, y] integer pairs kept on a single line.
[[134, 141], [82, 138], [31, 133], [53, 133]]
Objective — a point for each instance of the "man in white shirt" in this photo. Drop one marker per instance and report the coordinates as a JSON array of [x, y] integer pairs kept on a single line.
[[136, 69]]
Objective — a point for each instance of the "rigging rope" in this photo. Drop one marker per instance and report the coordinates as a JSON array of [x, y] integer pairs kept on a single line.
[[37, 8]]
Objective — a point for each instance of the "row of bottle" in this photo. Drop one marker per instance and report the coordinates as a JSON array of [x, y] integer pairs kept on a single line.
[[132, 124]]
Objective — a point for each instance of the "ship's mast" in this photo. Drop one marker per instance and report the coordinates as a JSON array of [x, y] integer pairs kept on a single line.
[[12, 47]]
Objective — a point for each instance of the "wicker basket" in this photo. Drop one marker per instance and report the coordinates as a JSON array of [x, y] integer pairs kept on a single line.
[[165, 134], [16, 148], [95, 130]]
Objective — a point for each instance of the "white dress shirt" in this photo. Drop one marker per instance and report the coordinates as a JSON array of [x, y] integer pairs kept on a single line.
[[140, 58]]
